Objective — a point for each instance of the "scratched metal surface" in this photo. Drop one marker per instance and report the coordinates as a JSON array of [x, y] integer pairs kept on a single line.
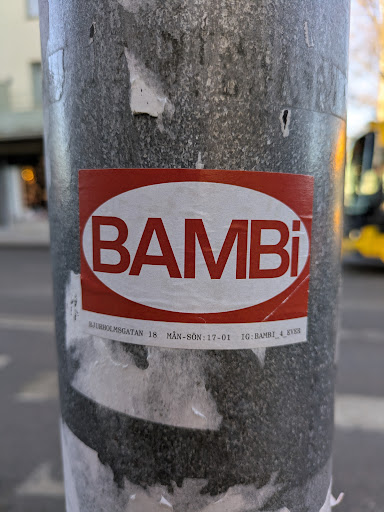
[[259, 86]]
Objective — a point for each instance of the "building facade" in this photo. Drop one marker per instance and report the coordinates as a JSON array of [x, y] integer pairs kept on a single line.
[[22, 183]]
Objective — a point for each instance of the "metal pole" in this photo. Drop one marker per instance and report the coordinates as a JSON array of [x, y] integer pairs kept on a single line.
[[252, 85]]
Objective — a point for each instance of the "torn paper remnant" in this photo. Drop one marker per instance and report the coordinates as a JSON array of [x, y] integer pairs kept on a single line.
[[146, 94]]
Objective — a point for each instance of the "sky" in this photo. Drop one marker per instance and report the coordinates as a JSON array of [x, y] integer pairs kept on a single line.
[[363, 82]]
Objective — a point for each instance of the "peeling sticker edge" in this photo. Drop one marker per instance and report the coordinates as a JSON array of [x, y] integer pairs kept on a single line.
[[199, 164], [308, 38], [163, 501], [335, 502], [198, 413], [146, 95], [56, 75], [330, 501]]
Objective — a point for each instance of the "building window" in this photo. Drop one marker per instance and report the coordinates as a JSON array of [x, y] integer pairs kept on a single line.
[[33, 8], [37, 80], [5, 103]]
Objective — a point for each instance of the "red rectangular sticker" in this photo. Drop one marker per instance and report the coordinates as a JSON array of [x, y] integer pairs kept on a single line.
[[195, 258]]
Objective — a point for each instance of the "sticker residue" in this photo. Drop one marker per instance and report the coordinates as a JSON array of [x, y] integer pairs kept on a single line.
[[146, 94]]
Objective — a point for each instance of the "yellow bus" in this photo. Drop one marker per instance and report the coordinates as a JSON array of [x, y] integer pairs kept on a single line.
[[364, 196]]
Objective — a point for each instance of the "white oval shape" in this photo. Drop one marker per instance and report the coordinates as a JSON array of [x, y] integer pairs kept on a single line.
[[217, 204]]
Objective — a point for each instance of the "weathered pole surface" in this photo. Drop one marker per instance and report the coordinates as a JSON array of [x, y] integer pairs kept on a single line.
[[252, 85]]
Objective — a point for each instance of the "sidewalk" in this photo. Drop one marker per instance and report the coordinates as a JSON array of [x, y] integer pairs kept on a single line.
[[28, 233]]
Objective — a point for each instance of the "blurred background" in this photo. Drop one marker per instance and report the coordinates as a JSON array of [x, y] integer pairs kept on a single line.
[[30, 466]]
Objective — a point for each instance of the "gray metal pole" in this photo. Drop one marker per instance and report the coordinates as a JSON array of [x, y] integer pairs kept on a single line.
[[252, 85]]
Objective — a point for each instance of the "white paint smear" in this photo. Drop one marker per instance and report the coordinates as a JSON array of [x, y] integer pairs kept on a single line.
[[69, 465], [357, 412], [146, 93], [83, 470], [241, 498], [163, 392]]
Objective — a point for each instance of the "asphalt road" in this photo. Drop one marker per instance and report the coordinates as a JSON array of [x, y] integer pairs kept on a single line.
[[30, 467]]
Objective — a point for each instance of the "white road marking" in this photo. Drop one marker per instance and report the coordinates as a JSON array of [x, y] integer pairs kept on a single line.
[[364, 305], [26, 323], [4, 361], [358, 412], [41, 483], [44, 387], [363, 335], [26, 293]]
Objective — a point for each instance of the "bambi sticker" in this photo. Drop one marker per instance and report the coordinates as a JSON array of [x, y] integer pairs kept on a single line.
[[191, 258]]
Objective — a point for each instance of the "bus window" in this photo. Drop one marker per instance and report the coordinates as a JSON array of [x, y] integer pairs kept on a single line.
[[363, 187]]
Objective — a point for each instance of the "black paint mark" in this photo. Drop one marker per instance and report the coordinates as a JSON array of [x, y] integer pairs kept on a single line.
[[92, 32], [285, 118], [138, 352]]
